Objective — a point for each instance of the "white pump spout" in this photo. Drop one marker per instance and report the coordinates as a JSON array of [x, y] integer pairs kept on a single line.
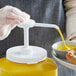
[[46, 25]]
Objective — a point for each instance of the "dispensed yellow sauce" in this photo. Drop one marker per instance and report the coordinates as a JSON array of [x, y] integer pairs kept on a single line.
[[64, 46]]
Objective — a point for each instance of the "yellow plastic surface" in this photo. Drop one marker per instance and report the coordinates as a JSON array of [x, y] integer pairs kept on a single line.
[[44, 68]]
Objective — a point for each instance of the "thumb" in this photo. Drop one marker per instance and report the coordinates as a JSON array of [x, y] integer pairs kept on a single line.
[[4, 32]]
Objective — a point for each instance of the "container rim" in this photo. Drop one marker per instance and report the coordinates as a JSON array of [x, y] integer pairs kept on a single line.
[[58, 43]]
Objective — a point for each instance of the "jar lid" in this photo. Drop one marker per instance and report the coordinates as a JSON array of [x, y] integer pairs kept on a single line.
[[30, 55]]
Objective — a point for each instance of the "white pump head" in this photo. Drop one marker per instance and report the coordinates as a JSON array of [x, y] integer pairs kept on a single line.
[[28, 54]]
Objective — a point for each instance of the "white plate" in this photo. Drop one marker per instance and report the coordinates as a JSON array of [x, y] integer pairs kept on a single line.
[[64, 62]]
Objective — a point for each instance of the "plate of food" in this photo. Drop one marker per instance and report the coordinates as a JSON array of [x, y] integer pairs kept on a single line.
[[65, 57]]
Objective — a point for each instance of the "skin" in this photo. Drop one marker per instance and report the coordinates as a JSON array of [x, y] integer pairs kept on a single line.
[[9, 17], [71, 56], [73, 38]]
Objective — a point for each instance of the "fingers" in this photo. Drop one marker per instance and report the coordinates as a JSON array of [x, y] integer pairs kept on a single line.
[[25, 16], [14, 18], [13, 13], [18, 12], [73, 38], [69, 4]]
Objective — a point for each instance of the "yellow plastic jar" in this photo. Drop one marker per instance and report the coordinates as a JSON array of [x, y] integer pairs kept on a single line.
[[44, 68]]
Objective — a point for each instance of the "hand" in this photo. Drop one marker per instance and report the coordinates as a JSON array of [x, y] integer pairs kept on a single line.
[[73, 38], [9, 17]]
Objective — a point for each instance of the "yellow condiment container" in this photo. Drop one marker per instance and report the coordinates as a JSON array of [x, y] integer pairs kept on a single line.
[[28, 60], [44, 68]]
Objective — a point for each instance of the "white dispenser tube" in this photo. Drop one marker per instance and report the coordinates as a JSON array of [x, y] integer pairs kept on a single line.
[[26, 37]]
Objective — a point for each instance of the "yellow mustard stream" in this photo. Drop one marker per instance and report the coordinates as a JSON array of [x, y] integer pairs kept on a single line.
[[64, 46]]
